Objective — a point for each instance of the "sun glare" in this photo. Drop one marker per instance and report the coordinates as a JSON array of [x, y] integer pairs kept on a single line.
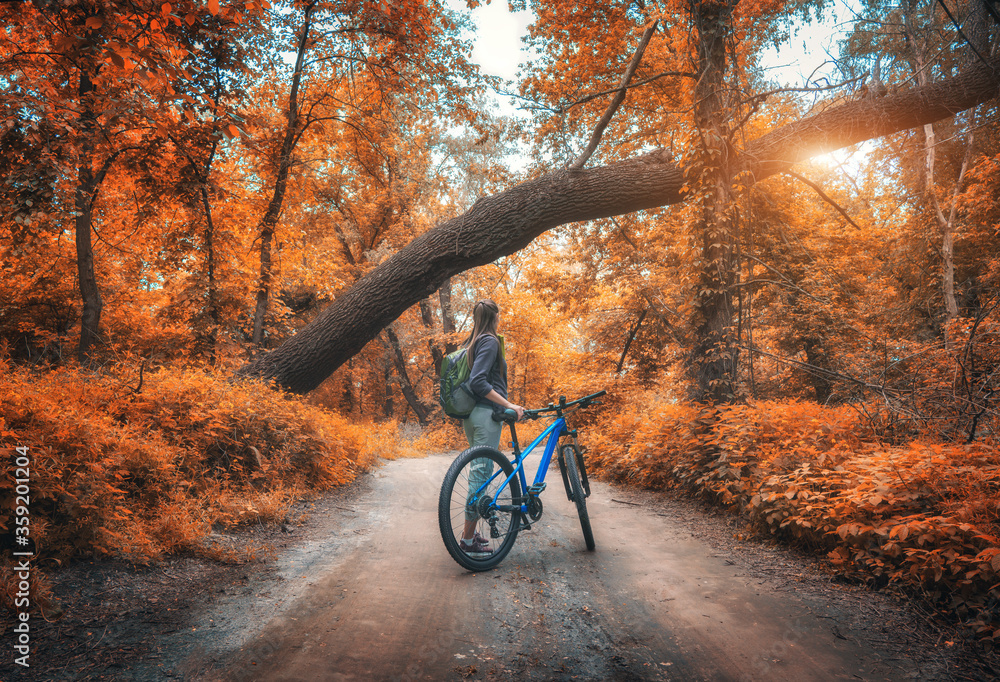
[[850, 161]]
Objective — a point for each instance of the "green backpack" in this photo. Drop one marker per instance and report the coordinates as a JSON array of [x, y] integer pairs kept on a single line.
[[455, 396], [456, 399]]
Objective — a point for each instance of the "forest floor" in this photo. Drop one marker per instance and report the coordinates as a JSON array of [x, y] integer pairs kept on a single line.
[[358, 586]]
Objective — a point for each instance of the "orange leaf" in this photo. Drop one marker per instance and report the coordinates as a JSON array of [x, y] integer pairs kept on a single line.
[[94, 22], [213, 7]]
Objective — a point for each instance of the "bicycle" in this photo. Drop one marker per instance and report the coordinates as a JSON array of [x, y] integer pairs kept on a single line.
[[486, 488]]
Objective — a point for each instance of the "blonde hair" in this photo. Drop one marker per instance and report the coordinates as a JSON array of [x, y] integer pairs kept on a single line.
[[485, 319]]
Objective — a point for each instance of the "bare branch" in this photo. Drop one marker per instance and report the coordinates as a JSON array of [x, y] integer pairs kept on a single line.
[[835, 86], [621, 88], [595, 139], [824, 196], [628, 342]]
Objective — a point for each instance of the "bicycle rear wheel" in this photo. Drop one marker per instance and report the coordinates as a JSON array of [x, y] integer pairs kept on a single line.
[[573, 472], [459, 507]]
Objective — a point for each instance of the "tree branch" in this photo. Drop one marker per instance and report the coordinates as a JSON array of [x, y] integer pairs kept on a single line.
[[602, 93], [820, 371], [958, 27], [823, 195], [628, 342], [595, 139]]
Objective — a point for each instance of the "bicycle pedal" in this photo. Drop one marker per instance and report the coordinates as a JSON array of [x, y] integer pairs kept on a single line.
[[536, 488]]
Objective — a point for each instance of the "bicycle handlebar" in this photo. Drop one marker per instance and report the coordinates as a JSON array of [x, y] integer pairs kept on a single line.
[[585, 401]]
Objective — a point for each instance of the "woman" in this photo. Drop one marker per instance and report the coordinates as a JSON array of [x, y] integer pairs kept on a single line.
[[488, 383]]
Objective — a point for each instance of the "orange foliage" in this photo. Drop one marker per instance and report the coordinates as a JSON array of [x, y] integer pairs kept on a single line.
[[141, 474], [183, 133], [924, 516]]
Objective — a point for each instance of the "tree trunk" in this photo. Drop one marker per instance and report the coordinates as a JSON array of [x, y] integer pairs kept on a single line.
[[628, 342], [918, 59], [716, 354], [270, 220], [213, 296], [404, 378], [90, 319], [817, 357], [447, 315], [504, 223], [86, 188], [387, 407], [947, 225], [427, 317], [347, 394]]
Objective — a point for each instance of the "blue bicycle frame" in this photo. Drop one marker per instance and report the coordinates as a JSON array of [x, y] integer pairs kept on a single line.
[[553, 432]]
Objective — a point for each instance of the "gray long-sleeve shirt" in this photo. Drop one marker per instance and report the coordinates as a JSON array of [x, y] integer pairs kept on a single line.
[[489, 370]]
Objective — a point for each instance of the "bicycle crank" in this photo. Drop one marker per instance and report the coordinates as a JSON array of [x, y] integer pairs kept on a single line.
[[534, 507]]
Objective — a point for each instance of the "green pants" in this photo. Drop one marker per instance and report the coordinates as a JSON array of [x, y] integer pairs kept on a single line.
[[480, 429]]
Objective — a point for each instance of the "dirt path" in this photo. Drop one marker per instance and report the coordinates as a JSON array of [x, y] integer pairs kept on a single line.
[[379, 598], [364, 590]]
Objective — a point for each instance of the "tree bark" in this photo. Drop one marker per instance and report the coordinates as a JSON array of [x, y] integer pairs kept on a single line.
[[270, 220], [202, 173], [715, 357], [86, 189], [504, 223], [203, 176], [447, 315], [404, 378], [387, 407], [213, 297], [427, 317], [918, 53]]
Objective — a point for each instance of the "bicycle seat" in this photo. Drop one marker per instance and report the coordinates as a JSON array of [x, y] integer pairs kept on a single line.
[[508, 416]]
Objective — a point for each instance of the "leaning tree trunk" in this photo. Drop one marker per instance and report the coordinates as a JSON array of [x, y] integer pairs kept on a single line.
[[504, 223], [405, 385]]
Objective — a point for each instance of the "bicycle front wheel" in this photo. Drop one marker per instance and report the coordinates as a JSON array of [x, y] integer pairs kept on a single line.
[[573, 472], [465, 508]]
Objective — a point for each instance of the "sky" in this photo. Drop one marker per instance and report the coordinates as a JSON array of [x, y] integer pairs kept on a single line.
[[498, 46], [499, 50], [498, 38]]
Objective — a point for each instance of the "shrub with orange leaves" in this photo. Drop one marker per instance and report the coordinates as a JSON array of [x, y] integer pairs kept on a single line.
[[924, 516], [140, 473], [443, 434]]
